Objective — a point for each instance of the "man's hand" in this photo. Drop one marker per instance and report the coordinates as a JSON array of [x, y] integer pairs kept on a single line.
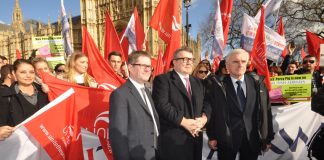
[[191, 125], [5, 132], [212, 144]]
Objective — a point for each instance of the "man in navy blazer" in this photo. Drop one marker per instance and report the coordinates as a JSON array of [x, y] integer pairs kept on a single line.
[[178, 100], [241, 119], [134, 123]]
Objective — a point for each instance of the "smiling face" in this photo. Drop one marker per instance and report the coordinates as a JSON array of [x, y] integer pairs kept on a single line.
[[42, 66], [25, 74], [141, 70], [81, 65]]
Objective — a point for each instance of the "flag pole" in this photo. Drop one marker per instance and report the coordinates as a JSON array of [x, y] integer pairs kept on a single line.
[[275, 24]]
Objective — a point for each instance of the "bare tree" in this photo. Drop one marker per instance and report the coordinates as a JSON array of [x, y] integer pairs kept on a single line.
[[298, 15]]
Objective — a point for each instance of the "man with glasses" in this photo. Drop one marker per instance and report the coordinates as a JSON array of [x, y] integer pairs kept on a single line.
[[178, 98], [309, 67], [134, 123]]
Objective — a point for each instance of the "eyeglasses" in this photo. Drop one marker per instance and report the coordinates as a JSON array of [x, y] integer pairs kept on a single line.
[[201, 72], [60, 71], [310, 61], [144, 66], [185, 59]]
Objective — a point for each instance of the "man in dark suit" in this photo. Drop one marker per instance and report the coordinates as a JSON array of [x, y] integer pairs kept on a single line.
[[178, 100], [134, 123], [241, 119]]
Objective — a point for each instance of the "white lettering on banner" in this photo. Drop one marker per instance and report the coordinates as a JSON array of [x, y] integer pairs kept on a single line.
[[54, 142], [107, 86], [293, 125], [175, 25], [274, 42]]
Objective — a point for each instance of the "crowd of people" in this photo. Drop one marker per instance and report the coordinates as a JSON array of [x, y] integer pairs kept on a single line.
[[164, 117]]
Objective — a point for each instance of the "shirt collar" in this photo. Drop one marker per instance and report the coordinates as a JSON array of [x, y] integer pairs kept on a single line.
[[136, 84], [234, 79], [182, 76]]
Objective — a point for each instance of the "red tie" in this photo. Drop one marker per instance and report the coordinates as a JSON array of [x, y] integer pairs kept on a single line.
[[188, 88]]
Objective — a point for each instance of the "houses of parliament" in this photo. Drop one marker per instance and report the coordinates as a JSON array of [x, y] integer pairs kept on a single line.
[[19, 34]]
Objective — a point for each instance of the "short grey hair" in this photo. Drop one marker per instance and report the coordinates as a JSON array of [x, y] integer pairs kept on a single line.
[[236, 51]]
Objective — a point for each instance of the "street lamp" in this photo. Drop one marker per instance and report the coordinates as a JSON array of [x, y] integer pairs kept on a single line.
[[187, 4]]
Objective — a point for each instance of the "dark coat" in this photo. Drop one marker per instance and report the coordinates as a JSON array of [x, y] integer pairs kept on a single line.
[[228, 122], [131, 127], [172, 104], [14, 108]]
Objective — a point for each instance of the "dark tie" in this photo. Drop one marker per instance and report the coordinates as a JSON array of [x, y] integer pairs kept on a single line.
[[240, 95], [188, 87], [151, 110]]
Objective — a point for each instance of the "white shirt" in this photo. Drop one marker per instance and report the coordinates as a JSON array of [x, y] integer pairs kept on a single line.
[[243, 85], [145, 99], [182, 77]]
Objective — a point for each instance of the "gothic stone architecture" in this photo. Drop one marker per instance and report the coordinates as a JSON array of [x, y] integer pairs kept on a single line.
[[19, 34]]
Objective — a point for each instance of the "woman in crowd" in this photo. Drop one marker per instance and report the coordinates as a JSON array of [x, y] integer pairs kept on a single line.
[[40, 64], [222, 69], [23, 98], [59, 70], [77, 67], [201, 71], [275, 71]]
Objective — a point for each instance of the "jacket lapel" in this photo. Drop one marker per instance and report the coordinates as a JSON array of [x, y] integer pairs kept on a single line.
[[137, 95], [179, 84], [249, 91], [231, 92], [153, 107]]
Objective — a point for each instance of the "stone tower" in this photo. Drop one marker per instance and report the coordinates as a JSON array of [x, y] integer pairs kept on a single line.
[[17, 19]]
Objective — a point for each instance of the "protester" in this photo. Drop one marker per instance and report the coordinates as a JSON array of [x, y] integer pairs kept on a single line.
[[222, 70], [201, 71], [115, 61], [2, 59], [7, 76], [238, 100], [59, 70], [292, 67], [178, 98], [24, 98], [134, 123], [124, 71], [40, 64], [309, 67], [275, 71], [5, 132], [77, 67]]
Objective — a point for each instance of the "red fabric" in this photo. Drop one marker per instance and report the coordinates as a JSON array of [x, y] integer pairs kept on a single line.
[[226, 12], [18, 54], [166, 21], [216, 64], [281, 32], [112, 42], [86, 107], [313, 42], [98, 66], [139, 31], [259, 60], [124, 44], [159, 65]]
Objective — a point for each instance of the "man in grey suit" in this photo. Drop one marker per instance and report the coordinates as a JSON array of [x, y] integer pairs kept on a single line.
[[134, 123]]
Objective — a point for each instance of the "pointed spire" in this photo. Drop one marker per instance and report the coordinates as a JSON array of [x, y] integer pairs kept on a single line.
[[49, 26], [17, 19], [31, 29]]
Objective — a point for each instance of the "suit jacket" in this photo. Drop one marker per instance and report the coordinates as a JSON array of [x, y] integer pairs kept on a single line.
[[229, 122], [131, 127], [172, 104]]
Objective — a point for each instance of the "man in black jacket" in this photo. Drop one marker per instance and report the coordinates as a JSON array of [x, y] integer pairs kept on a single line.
[[241, 120]]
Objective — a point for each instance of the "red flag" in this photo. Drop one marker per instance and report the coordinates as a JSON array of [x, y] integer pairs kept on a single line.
[[166, 21], [159, 65], [313, 42], [139, 31], [281, 31], [303, 54], [226, 12], [98, 66], [216, 63], [18, 54], [259, 59], [111, 38], [82, 108]]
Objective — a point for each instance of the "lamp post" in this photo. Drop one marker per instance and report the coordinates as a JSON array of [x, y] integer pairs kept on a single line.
[[187, 4]]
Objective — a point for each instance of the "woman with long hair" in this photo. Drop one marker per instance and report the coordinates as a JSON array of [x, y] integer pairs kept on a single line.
[[77, 67], [201, 71], [23, 98]]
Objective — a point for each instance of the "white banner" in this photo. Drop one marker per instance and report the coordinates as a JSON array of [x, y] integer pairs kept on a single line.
[[275, 42], [294, 126]]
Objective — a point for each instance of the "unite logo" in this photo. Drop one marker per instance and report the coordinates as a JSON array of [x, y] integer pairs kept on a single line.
[[107, 86], [291, 143]]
